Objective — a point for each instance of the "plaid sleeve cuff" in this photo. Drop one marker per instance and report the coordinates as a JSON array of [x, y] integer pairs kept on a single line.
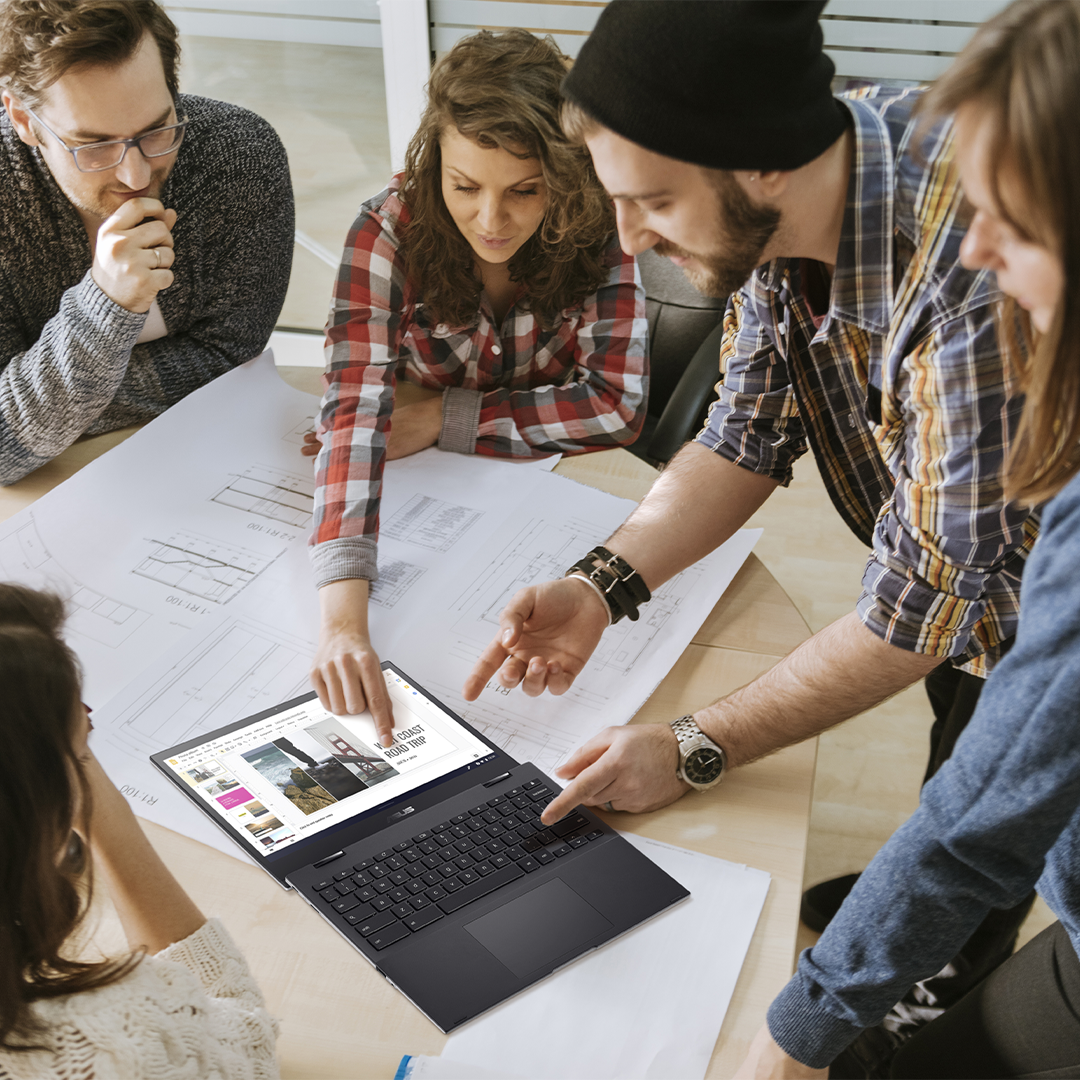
[[460, 420], [344, 559], [908, 613], [803, 1028], [772, 459]]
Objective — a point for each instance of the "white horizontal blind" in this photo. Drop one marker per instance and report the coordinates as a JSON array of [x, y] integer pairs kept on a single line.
[[569, 24], [912, 40], [311, 22]]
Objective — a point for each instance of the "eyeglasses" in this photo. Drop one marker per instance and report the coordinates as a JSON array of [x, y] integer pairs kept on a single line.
[[97, 157]]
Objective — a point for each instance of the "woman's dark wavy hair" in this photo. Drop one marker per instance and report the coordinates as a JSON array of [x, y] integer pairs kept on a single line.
[[44, 895], [1022, 71], [502, 90]]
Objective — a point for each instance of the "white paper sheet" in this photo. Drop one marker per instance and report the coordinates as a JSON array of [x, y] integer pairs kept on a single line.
[[208, 505], [198, 524], [649, 1005]]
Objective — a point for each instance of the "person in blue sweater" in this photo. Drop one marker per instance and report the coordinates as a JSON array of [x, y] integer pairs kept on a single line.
[[1003, 814]]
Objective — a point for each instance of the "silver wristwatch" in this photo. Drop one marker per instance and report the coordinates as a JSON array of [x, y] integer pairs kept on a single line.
[[701, 761]]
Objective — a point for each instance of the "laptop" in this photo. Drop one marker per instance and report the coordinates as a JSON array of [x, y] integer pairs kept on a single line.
[[428, 857]]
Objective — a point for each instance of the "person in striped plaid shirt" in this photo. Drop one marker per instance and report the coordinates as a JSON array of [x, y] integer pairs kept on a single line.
[[853, 330], [489, 272]]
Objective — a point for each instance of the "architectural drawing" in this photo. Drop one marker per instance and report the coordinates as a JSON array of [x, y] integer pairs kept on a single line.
[[270, 493], [202, 567], [395, 579], [431, 523], [25, 558], [237, 669], [541, 550], [296, 433], [496, 718]]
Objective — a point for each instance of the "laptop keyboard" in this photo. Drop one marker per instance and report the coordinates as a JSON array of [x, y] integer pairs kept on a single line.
[[399, 891]]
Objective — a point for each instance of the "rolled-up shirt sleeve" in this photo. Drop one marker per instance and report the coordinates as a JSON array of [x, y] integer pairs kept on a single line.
[[754, 421], [362, 344], [946, 531]]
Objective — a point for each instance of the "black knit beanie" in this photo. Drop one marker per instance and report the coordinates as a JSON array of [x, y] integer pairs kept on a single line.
[[730, 84]]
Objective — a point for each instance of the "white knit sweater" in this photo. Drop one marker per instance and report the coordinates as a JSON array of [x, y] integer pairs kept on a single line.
[[192, 1012]]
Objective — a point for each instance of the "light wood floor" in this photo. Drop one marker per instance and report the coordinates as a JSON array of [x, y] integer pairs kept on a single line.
[[868, 769], [328, 104]]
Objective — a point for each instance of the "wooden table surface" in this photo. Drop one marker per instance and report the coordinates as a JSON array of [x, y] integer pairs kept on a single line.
[[339, 1019]]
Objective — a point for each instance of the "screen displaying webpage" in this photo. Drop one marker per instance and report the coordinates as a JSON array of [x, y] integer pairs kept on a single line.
[[288, 776]]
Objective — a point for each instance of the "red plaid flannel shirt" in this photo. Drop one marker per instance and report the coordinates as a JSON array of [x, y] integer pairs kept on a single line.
[[515, 391]]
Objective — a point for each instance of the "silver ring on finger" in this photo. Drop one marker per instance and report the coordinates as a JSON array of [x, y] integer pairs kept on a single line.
[[608, 807], [157, 255]]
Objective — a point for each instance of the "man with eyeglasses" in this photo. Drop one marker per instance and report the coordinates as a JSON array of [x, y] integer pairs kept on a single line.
[[145, 235]]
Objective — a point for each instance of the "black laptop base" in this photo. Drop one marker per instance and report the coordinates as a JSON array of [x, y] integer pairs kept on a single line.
[[465, 904]]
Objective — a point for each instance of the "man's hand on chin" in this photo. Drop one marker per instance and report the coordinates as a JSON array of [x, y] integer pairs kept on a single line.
[[134, 255]]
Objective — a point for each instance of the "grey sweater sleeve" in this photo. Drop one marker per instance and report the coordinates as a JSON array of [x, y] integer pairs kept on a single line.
[[1002, 813], [52, 392]]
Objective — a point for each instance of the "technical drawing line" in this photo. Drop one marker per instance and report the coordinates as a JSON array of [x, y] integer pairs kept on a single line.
[[431, 523], [25, 558], [270, 493], [192, 564], [228, 675], [194, 558]]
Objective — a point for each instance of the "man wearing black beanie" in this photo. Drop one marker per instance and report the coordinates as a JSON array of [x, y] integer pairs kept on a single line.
[[853, 331]]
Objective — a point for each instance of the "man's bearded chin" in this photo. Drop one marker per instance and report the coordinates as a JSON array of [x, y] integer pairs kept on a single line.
[[743, 232], [715, 275], [103, 207]]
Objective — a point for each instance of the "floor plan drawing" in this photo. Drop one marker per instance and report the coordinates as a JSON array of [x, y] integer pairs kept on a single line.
[[539, 551], [202, 567], [622, 645], [270, 493], [234, 671], [296, 433], [395, 579], [25, 558], [520, 736], [431, 523], [542, 551]]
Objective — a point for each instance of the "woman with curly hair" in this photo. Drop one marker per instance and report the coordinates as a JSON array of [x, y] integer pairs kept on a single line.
[[182, 1003], [488, 271]]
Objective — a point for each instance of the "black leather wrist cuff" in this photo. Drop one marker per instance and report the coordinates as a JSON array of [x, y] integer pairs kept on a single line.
[[620, 583]]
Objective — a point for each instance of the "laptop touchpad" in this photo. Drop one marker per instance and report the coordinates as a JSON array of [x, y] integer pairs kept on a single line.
[[535, 929]]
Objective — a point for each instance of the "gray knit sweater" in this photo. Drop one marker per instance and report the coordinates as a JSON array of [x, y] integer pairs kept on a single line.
[[69, 364]]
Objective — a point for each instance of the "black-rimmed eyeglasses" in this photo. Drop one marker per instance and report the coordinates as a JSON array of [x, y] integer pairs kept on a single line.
[[97, 157]]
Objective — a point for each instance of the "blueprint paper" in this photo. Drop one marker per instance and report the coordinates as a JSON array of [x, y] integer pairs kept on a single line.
[[547, 533], [183, 556], [643, 1006], [228, 668], [206, 506]]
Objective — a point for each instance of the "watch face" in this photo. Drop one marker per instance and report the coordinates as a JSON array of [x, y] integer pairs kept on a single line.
[[703, 765]]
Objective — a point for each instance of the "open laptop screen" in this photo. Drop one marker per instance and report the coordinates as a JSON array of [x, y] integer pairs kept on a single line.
[[291, 773]]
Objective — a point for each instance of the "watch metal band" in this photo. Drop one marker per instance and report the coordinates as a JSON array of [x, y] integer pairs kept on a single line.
[[686, 728], [690, 738]]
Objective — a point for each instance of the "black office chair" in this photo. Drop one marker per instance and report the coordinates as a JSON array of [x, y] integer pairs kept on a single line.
[[684, 349]]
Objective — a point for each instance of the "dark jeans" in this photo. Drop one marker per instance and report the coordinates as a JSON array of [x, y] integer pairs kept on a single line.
[[1021, 1021], [953, 695]]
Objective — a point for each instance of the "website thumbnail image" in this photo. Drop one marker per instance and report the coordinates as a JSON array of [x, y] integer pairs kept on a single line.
[[288, 776]]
